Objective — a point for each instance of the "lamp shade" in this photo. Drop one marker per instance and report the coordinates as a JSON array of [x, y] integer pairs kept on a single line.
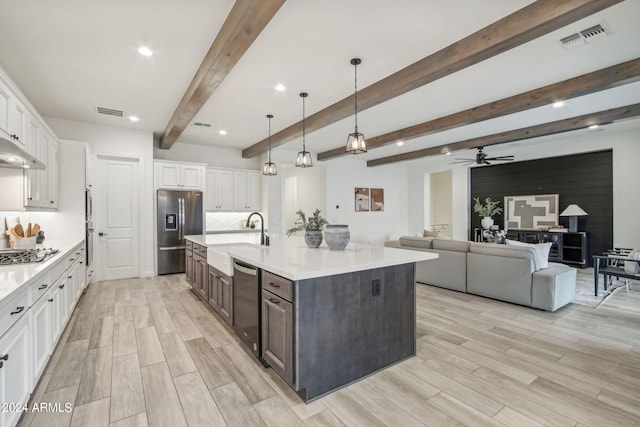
[[573, 210], [304, 159], [356, 143]]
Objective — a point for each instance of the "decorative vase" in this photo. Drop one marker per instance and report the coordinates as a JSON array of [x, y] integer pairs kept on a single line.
[[337, 237], [486, 222], [313, 238]]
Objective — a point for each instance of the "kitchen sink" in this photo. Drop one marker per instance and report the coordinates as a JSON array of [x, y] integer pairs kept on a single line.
[[218, 257]]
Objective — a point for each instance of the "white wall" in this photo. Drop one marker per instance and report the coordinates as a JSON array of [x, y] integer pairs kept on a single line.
[[122, 142], [221, 157], [344, 175]]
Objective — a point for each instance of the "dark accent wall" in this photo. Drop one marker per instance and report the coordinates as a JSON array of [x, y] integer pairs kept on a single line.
[[582, 179]]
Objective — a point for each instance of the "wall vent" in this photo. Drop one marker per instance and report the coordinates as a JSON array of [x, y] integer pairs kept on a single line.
[[110, 111], [204, 125], [584, 36]]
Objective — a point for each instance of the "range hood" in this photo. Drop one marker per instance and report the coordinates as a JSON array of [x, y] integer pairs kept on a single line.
[[12, 156]]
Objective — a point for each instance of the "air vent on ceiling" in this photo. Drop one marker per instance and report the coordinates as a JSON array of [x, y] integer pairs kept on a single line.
[[204, 125], [110, 111], [584, 36]]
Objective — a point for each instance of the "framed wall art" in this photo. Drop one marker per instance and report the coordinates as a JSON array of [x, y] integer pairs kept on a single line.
[[530, 212], [362, 199], [377, 199]]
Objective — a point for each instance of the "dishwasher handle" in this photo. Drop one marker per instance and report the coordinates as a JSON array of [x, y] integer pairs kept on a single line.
[[245, 268]]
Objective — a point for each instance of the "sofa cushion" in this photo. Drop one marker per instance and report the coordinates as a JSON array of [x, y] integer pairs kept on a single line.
[[429, 233], [541, 251], [416, 242], [450, 245]]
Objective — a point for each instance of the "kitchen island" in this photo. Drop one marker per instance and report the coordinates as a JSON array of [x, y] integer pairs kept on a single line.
[[329, 318]]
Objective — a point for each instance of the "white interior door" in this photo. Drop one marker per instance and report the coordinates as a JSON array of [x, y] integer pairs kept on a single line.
[[116, 218]]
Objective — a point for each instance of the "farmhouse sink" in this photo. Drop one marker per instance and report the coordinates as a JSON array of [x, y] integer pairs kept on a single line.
[[218, 257]]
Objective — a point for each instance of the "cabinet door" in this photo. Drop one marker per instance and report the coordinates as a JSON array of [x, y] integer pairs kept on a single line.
[[5, 107], [52, 173], [214, 288], [192, 177], [41, 336], [253, 191], [225, 298], [56, 300], [189, 266], [220, 190], [242, 191], [277, 334], [168, 175], [18, 122], [15, 375]]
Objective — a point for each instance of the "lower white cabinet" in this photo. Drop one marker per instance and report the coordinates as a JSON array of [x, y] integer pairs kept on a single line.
[[15, 376], [42, 336]]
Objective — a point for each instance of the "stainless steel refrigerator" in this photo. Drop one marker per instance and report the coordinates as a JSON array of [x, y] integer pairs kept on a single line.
[[179, 214]]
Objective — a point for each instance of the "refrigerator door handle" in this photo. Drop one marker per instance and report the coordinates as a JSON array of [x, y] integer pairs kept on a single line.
[[171, 248], [180, 218]]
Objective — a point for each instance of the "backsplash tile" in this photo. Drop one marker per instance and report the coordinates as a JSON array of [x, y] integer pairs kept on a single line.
[[218, 221]]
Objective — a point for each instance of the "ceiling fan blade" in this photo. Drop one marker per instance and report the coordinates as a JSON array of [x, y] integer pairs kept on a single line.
[[502, 158]]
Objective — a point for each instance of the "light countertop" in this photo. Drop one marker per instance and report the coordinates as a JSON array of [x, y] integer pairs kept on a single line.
[[14, 277], [291, 258]]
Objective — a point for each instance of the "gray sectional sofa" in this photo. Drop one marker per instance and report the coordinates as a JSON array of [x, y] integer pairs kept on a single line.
[[502, 272]]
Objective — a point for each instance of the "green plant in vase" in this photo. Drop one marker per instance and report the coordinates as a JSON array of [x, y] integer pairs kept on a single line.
[[486, 210], [312, 227]]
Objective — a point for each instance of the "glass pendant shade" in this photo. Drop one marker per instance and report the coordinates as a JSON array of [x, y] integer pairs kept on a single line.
[[304, 157], [269, 168], [356, 143]]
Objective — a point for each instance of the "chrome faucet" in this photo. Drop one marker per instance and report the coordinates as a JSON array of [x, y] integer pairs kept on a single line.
[[263, 241]]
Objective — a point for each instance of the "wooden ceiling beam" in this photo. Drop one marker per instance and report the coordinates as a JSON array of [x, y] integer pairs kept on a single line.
[[585, 84], [245, 22], [526, 24], [552, 128]]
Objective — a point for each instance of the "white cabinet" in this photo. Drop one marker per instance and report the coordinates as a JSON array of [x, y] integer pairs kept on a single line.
[[247, 190], [42, 336], [219, 190], [5, 107], [15, 376], [232, 190], [180, 176], [41, 186]]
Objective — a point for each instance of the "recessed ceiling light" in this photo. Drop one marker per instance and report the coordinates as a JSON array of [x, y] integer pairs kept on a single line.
[[280, 87], [448, 153], [222, 132], [134, 119], [558, 104], [400, 143], [594, 127], [145, 51]]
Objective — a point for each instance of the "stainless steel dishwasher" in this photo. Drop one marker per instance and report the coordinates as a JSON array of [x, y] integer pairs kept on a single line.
[[247, 307]]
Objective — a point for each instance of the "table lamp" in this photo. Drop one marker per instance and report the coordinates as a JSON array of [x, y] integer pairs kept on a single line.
[[573, 212]]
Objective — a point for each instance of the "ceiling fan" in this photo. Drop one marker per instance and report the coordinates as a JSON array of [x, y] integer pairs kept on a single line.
[[482, 159]]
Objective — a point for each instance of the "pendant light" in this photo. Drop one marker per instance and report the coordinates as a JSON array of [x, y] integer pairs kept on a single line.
[[304, 157], [355, 141], [269, 167]]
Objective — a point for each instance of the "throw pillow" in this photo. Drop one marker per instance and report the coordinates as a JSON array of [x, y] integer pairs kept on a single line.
[[633, 267], [429, 233], [541, 251]]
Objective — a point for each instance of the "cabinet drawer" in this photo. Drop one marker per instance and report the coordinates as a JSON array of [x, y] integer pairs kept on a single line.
[[12, 309], [39, 287], [278, 285], [189, 245]]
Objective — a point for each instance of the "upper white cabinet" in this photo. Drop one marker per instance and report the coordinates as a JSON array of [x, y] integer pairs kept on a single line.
[[22, 125], [247, 190], [219, 194], [232, 190], [41, 186], [180, 176]]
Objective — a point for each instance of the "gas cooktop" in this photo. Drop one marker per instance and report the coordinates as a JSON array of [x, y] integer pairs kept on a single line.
[[25, 256]]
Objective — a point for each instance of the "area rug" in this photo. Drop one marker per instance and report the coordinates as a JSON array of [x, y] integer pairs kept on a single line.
[[584, 288]]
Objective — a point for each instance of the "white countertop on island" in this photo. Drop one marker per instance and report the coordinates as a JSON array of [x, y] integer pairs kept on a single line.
[[224, 239], [291, 258], [13, 277]]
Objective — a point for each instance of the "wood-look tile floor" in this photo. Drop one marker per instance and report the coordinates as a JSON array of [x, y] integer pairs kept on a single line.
[[148, 352]]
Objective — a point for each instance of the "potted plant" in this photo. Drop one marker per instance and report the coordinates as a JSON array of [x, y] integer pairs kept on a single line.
[[312, 227], [486, 211]]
